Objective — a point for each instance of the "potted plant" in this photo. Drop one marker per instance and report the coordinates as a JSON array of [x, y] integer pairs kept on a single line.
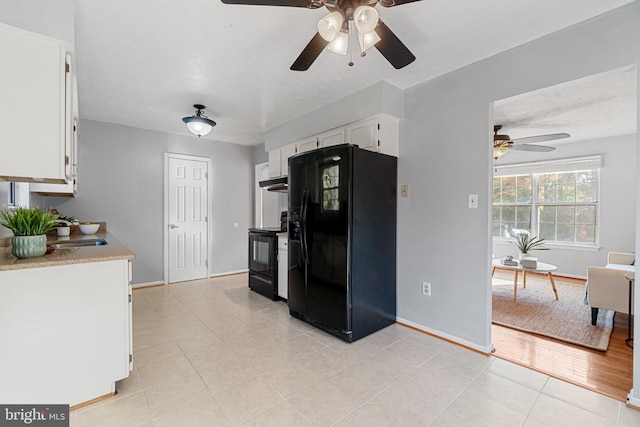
[[29, 226], [527, 243]]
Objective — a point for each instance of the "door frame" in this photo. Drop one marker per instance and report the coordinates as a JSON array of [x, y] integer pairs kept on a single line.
[[165, 220]]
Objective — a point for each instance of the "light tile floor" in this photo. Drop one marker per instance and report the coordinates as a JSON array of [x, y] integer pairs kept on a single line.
[[213, 353]]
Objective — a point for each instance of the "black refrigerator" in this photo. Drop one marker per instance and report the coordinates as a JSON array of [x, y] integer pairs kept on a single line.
[[342, 240]]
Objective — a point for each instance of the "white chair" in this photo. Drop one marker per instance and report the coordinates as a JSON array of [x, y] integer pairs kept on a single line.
[[608, 287]]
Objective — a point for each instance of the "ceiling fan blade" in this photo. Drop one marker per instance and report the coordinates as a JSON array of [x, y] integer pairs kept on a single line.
[[309, 53], [538, 148], [390, 3], [292, 3], [539, 138], [392, 48]]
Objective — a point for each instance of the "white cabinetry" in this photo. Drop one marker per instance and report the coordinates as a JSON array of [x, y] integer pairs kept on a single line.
[[364, 134], [68, 328], [36, 84], [278, 160], [307, 144], [283, 267], [332, 137]]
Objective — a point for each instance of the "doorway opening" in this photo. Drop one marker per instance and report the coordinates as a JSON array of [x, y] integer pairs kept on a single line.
[[600, 115]]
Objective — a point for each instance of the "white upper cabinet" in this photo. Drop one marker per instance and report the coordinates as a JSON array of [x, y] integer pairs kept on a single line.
[[379, 133], [36, 125], [286, 152], [364, 134], [332, 137], [278, 164], [307, 144]]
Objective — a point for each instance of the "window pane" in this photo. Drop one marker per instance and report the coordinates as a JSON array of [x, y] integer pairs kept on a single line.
[[585, 214], [496, 190], [508, 194], [509, 213], [567, 193], [586, 192], [565, 233], [547, 214], [495, 214], [547, 231], [524, 189], [523, 214], [566, 214], [586, 233], [546, 192]]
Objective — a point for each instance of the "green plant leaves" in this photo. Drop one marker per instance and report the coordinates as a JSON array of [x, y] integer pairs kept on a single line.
[[527, 243], [28, 221]]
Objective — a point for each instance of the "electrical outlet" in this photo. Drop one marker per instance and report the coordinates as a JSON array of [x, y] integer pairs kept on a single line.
[[404, 190], [426, 289]]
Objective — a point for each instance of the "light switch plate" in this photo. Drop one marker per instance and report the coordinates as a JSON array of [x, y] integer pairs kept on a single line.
[[473, 201]]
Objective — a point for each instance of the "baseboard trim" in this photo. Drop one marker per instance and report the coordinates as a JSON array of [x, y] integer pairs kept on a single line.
[[146, 285], [229, 273], [633, 402], [452, 339]]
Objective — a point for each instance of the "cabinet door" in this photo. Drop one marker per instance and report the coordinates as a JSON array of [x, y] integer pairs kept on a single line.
[[307, 144], [286, 152], [364, 134], [275, 167], [333, 137], [32, 82]]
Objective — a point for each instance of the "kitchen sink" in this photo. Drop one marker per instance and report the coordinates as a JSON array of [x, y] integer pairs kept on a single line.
[[78, 244]]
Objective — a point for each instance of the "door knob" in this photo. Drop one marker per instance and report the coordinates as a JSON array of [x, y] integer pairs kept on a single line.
[[173, 226]]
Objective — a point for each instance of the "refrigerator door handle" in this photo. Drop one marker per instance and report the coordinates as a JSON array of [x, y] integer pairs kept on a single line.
[[303, 227]]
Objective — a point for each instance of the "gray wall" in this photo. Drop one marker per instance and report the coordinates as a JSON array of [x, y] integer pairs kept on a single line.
[[447, 128], [121, 181], [617, 209]]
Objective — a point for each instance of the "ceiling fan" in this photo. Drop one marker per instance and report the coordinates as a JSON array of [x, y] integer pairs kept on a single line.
[[333, 29], [503, 143]]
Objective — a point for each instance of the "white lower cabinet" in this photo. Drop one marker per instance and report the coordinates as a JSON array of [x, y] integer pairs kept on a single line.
[[283, 267], [66, 332]]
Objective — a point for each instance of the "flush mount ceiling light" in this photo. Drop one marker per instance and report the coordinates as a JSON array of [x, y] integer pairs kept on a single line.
[[199, 124]]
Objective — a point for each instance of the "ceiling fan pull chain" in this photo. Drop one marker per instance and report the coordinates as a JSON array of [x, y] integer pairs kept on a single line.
[[350, 48]]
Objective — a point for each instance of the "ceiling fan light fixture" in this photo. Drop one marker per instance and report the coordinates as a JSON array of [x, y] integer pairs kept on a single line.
[[365, 18], [500, 150], [340, 43], [199, 124], [367, 40], [329, 26]]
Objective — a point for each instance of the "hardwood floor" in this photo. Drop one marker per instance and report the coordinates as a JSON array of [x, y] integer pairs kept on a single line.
[[608, 373]]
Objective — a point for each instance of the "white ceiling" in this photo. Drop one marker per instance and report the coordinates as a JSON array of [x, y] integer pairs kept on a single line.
[[144, 63]]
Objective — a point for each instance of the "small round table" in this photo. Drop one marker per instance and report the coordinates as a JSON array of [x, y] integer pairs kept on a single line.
[[540, 268]]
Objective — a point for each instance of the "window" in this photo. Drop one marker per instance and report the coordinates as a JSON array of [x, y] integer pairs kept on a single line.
[[330, 188], [559, 206]]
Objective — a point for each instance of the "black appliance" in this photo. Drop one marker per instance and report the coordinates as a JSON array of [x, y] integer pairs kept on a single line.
[[275, 184], [263, 261], [342, 240], [283, 220]]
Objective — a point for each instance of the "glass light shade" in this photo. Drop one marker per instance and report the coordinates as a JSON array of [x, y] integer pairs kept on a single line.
[[198, 126], [340, 43], [499, 151], [367, 40], [329, 26], [365, 18]]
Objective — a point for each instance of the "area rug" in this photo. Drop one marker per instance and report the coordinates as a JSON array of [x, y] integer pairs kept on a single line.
[[537, 311]]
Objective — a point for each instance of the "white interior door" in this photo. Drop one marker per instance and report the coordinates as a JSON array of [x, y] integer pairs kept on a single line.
[[186, 217]]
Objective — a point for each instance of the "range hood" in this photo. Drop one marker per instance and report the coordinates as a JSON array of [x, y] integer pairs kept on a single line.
[[275, 184]]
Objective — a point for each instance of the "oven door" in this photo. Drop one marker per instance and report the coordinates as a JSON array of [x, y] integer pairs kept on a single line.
[[262, 253]]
